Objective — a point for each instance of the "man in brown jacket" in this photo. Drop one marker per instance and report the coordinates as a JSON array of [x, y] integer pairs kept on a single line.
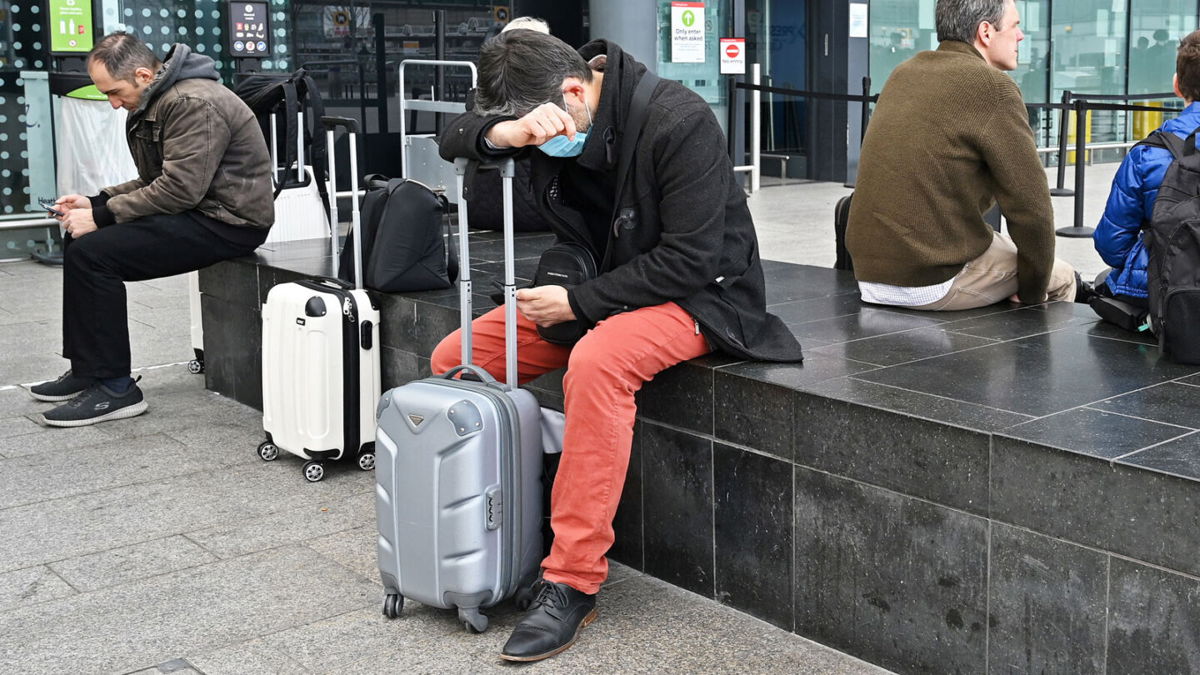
[[203, 194], [949, 137]]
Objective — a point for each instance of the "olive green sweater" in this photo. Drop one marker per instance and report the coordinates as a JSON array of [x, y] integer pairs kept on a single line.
[[949, 137]]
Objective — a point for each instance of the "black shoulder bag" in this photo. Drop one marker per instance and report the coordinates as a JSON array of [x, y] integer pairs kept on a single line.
[[569, 264]]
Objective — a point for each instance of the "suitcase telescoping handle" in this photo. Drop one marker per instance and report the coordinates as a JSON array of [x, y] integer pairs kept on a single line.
[[351, 126], [506, 169]]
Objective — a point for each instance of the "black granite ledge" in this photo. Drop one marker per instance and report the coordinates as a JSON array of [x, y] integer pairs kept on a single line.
[[972, 491]]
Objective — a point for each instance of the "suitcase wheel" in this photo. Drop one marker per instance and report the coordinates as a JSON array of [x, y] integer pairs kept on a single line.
[[472, 619], [314, 471], [393, 604], [267, 451], [195, 366], [366, 461]]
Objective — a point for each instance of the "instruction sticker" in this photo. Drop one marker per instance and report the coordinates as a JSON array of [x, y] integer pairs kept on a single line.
[[687, 32]]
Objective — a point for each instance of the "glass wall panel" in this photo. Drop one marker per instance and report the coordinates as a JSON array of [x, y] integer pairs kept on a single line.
[[1155, 29], [1033, 64], [1090, 56], [898, 30]]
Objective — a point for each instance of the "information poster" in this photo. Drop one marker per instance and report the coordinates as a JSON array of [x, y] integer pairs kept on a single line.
[[70, 26], [687, 32], [248, 31]]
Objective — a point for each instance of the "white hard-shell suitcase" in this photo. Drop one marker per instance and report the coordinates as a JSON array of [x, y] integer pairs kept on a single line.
[[320, 358], [458, 474], [299, 214]]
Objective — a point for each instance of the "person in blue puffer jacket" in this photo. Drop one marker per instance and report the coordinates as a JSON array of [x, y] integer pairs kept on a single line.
[[1118, 237]]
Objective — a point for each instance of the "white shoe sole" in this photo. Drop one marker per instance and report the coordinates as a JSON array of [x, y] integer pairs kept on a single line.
[[128, 411], [52, 398]]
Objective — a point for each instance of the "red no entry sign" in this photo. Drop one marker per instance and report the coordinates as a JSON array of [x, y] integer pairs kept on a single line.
[[732, 51], [733, 56]]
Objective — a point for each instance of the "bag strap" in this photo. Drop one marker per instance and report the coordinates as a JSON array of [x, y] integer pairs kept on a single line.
[[639, 110]]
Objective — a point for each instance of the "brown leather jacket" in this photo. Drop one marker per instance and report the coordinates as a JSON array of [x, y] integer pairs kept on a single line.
[[197, 147]]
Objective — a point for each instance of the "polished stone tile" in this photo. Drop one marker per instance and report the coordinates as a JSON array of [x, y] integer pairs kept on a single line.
[[787, 282], [1103, 329], [1094, 432], [1038, 375], [916, 404], [1180, 457], [1024, 322], [896, 581], [412, 325], [814, 368], [1047, 604], [1171, 403], [629, 546], [130, 563], [524, 247], [944, 464], [868, 322], [754, 413], [399, 367], [753, 533], [233, 282], [896, 348], [677, 489], [354, 549], [233, 350], [1154, 620], [681, 396], [818, 309], [1129, 511]]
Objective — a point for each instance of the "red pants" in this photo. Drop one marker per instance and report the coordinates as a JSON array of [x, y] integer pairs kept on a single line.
[[604, 371]]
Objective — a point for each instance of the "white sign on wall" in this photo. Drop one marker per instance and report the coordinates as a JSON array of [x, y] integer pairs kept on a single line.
[[687, 32], [733, 56], [858, 20]]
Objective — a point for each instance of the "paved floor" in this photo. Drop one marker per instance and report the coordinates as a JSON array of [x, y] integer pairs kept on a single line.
[[162, 544]]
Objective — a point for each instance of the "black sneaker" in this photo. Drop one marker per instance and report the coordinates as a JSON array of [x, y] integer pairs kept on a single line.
[[96, 404], [65, 388], [552, 623]]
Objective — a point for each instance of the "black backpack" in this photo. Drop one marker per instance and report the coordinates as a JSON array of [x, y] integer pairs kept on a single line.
[[284, 95], [405, 249], [1172, 239]]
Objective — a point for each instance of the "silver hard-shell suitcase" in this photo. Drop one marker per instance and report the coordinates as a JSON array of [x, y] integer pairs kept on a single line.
[[320, 358], [458, 472]]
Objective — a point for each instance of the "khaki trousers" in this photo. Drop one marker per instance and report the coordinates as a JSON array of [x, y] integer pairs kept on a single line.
[[992, 277]]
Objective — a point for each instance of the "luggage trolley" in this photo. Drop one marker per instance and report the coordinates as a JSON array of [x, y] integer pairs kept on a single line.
[[419, 159]]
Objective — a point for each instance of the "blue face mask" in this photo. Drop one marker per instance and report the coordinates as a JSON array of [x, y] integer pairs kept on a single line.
[[561, 146]]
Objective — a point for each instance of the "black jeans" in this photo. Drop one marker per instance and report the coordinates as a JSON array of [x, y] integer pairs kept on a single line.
[[95, 267]]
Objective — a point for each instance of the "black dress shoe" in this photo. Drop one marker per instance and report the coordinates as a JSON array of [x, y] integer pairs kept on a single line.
[[552, 624], [1084, 292]]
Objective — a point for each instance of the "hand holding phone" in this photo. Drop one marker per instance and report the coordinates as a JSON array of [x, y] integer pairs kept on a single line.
[[49, 205]]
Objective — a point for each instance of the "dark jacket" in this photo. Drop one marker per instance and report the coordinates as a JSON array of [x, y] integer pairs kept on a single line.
[[197, 147], [686, 234], [1118, 237]]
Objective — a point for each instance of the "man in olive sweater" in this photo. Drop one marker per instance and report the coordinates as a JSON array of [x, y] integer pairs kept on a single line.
[[949, 137]]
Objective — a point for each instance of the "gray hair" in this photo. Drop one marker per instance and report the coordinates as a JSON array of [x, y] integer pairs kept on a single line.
[[122, 53], [522, 69], [527, 23], [960, 19]]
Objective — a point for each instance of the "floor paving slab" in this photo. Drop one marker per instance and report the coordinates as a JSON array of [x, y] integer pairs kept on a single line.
[[31, 586], [99, 521], [131, 563], [253, 656], [145, 623], [292, 525], [49, 439], [39, 477]]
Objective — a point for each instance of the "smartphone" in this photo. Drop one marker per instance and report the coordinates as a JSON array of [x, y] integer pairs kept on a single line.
[[48, 204]]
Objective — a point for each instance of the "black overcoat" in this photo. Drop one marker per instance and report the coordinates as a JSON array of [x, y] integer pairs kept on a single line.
[[683, 233]]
